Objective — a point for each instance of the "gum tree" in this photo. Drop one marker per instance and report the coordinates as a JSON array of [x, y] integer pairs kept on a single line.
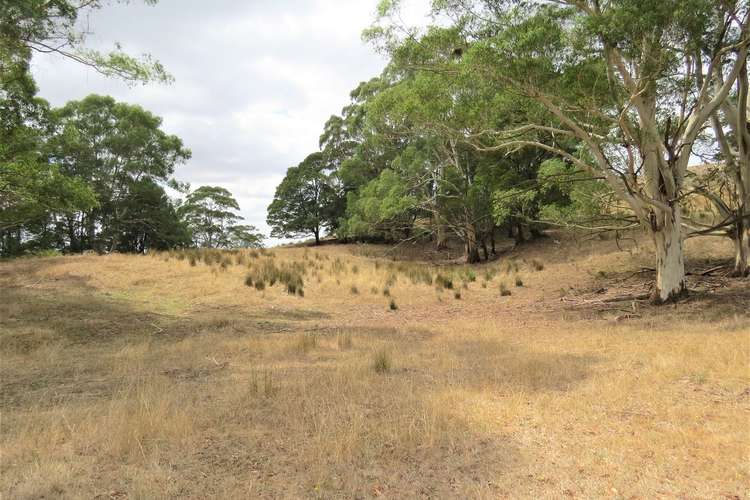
[[621, 78]]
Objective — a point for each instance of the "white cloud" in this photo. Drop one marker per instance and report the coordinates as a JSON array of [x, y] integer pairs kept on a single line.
[[255, 81]]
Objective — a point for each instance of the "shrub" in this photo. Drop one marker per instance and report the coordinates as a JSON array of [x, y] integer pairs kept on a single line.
[[519, 281], [393, 306], [471, 276], [504, 291], [457, 295], [537, 265], [381, 361]]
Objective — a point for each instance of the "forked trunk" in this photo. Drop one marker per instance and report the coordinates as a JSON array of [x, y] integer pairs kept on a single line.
[[670, 264]]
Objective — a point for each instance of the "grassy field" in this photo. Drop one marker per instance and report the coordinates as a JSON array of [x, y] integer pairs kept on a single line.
[[168, 376]]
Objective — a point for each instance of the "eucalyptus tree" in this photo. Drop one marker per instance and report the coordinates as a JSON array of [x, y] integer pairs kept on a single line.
[[620, 77], [111, 146], [210, 213], [302, 204], [42, 27], [150, 220], [726, 183]]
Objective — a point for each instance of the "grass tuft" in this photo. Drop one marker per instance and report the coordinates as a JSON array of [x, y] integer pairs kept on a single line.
[[504, 290], [381, 361]]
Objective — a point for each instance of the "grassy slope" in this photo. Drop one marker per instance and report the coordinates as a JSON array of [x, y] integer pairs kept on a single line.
[[141, 377]]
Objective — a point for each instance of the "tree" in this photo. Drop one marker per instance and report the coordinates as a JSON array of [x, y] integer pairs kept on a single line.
[[210, 214], [726, 183], [244, 236], [151, 221], [51, 27], [620, 77], [112, 146], [302, 202]]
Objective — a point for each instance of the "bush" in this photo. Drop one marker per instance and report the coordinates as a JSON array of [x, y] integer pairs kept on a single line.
[[519, 282], [504, 291], [393, 306]]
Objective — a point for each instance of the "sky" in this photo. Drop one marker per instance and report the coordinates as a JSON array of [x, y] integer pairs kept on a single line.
[[255, 81]]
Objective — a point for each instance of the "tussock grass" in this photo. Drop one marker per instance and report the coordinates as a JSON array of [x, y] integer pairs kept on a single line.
[[344, 341], [381, 361], [146, 378], [444, 281], [307, 342]]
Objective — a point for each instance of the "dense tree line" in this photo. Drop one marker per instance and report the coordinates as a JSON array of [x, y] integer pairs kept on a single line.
[[93, 174], [509, 116]]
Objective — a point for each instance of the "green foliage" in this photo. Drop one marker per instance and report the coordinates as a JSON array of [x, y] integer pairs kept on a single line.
[[210, 214], [303, 200], [54, 27]]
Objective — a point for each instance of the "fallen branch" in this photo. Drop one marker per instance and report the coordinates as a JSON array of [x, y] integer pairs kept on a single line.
[[707, 272]]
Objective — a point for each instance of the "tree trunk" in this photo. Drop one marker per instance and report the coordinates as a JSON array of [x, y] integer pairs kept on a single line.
[[670, 265], [741, 250], [317, 237], [520, 238], [472, 251], [441, 241]]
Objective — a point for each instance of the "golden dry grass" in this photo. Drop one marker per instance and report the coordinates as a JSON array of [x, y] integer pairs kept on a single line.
[[150, 377]]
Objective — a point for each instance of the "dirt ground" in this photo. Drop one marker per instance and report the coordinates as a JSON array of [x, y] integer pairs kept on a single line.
[[538, 375]]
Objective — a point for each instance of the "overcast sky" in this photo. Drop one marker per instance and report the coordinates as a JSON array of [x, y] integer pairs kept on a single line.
[[254, 81]]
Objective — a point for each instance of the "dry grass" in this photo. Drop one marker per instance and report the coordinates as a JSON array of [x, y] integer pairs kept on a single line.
[[168, 377]]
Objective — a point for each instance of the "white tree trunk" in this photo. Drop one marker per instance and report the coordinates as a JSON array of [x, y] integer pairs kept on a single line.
[[670, 264], [741, 253]]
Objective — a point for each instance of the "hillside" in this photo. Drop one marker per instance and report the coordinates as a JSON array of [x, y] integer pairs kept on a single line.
[[163, 376]]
